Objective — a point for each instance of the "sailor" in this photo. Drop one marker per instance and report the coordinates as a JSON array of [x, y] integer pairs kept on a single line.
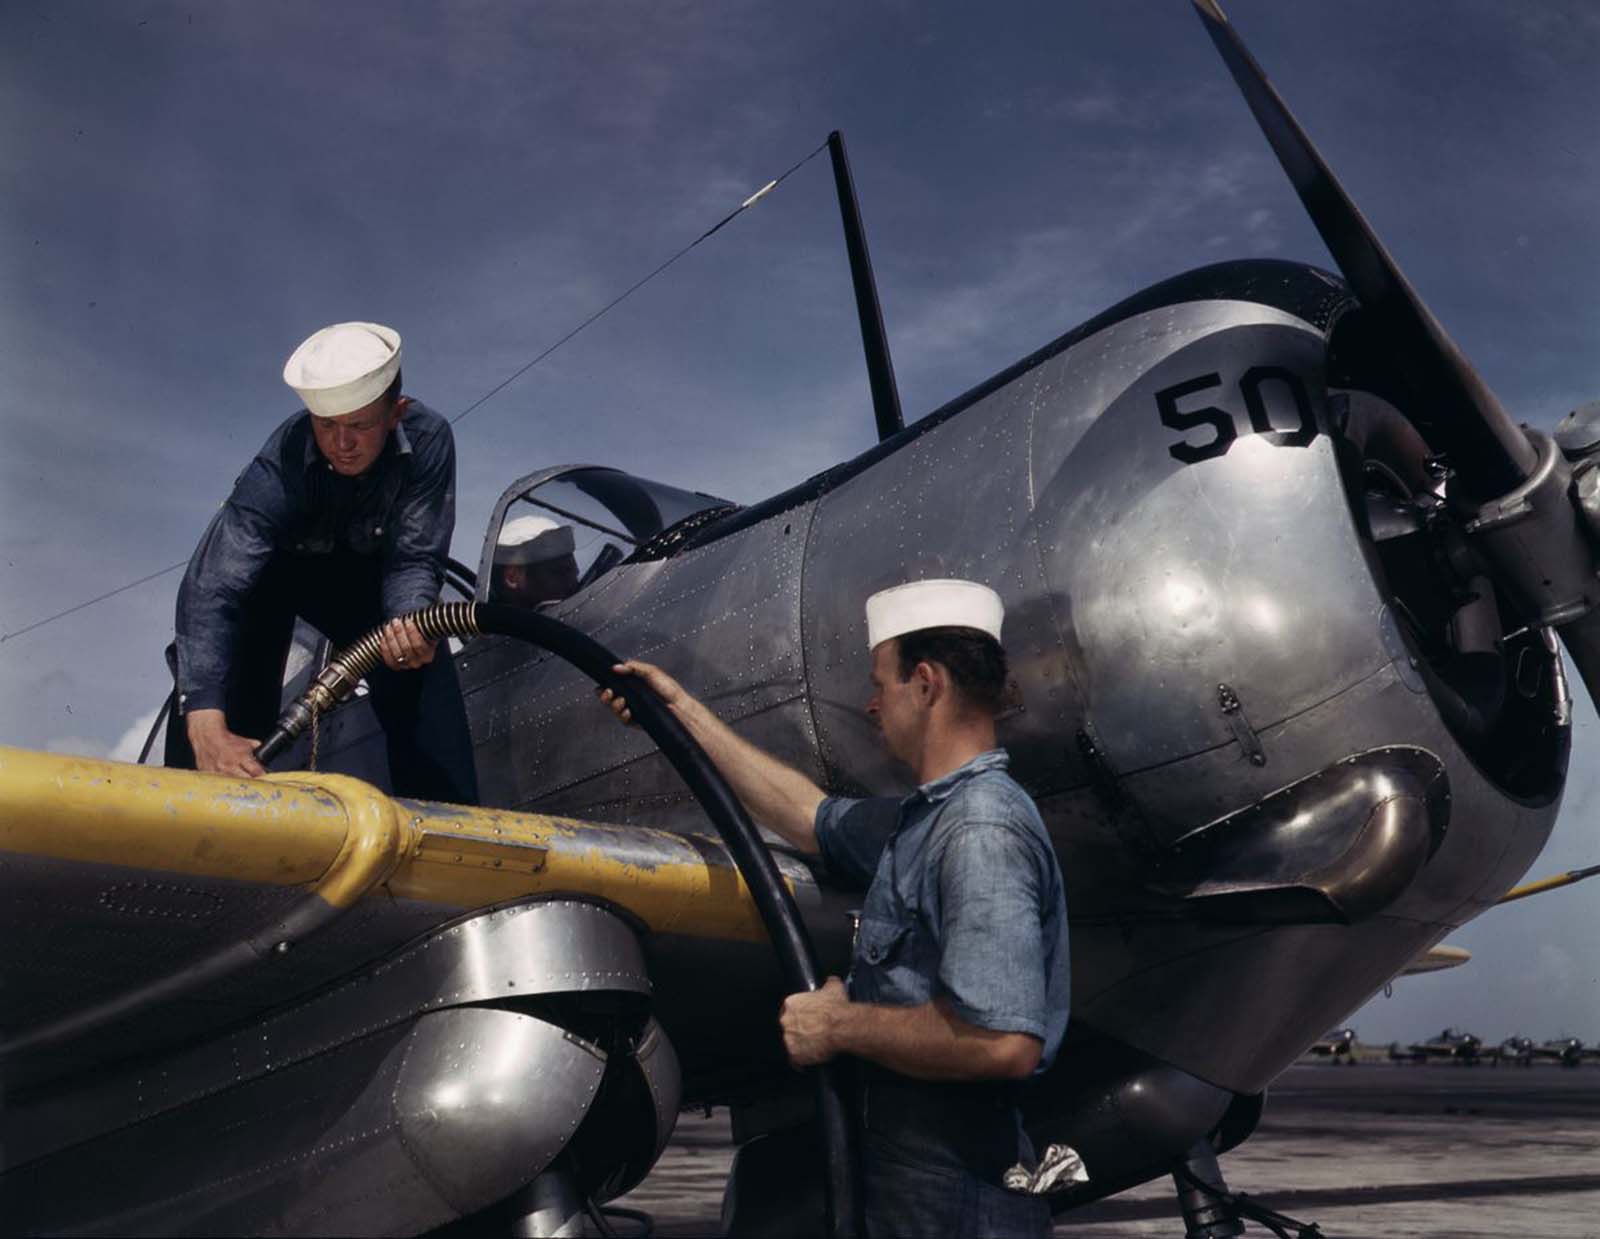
[[958, 986], [342, 519], [534, 562]]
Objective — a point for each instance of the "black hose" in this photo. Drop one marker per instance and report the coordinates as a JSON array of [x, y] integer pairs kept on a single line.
[[779, 913], [600, 1215], [155, 727], [460, 578]]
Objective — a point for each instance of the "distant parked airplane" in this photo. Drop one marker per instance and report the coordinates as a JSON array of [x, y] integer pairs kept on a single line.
[[1451, 1044]]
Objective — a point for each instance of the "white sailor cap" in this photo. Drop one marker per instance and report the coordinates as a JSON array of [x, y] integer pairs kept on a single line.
[[532, 540], [932, 604], [344, 367]]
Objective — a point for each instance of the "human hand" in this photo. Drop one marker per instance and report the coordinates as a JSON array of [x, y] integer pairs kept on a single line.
[[672, 694], [217, 750], [403, 646], [809, 1022]]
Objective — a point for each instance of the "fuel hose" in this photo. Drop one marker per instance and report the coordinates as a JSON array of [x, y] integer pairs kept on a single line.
[[773, 900]]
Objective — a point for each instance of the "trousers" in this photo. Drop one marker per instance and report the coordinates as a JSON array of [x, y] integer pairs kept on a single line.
[[933, 1156], [421, 712]]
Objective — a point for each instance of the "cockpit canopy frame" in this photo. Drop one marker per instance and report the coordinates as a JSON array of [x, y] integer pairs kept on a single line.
[[643, 514]]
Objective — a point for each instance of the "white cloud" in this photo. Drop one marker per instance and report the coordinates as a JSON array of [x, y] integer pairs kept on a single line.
[[126, 747], [132, 740], [75, 746], [1100, 107]]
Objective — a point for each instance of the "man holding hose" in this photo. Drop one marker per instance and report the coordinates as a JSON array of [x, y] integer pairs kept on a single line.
[[343, 519], [958, 983]]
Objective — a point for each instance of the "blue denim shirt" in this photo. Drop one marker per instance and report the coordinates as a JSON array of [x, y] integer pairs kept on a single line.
[[965, 900], [289, 500]]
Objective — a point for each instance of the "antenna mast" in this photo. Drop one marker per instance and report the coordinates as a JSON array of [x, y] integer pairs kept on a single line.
[[880, 370]]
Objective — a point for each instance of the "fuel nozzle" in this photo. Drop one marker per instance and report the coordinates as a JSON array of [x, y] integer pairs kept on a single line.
[[337, 681]]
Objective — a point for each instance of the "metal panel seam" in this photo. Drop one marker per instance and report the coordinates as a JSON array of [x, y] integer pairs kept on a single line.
[[812, 511]]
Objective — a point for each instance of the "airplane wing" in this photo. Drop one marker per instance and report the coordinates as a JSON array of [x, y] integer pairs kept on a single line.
[[1555, 882], [184, 954], [1436, 959]]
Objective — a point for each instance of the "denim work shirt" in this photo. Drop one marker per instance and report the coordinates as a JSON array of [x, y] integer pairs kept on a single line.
[[965, 900], [290, 501]]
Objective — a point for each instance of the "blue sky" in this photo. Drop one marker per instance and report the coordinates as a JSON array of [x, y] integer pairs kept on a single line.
[[191, 189]]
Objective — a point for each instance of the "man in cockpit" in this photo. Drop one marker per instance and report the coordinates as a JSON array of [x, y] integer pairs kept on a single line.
[[343, 519], [534, 562]]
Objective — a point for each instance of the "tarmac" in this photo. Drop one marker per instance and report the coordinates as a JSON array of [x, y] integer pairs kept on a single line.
[[1366, 1151]]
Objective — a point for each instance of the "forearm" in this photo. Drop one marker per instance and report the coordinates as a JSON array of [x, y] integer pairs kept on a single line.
[[225, 569], [930, 1042], [422, 524], [205, 633], [202, 672], [411, 583], [777, 795]]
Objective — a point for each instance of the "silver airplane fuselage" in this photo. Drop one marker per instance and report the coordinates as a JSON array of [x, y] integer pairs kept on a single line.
[[1222, 627]]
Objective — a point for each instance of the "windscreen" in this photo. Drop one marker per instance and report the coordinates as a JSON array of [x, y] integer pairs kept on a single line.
[[585, 522]]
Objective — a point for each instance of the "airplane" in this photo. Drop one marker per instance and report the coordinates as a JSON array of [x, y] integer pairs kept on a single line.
[[1518, 1050], [1568, 1051], [1338, 1044], [1286, 592], [1451, 1045]]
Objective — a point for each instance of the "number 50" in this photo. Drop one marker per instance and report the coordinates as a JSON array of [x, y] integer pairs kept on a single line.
[[1222, 423]]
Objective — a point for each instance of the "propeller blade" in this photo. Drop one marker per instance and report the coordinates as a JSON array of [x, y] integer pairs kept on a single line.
[[1488, 451]]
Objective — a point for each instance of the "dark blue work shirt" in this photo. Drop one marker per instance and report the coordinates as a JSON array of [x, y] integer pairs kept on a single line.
[[965, 900], [289, 501]]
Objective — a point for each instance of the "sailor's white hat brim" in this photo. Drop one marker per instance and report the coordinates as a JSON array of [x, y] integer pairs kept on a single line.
[[344, 367], [932, 604], [532, 540]]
